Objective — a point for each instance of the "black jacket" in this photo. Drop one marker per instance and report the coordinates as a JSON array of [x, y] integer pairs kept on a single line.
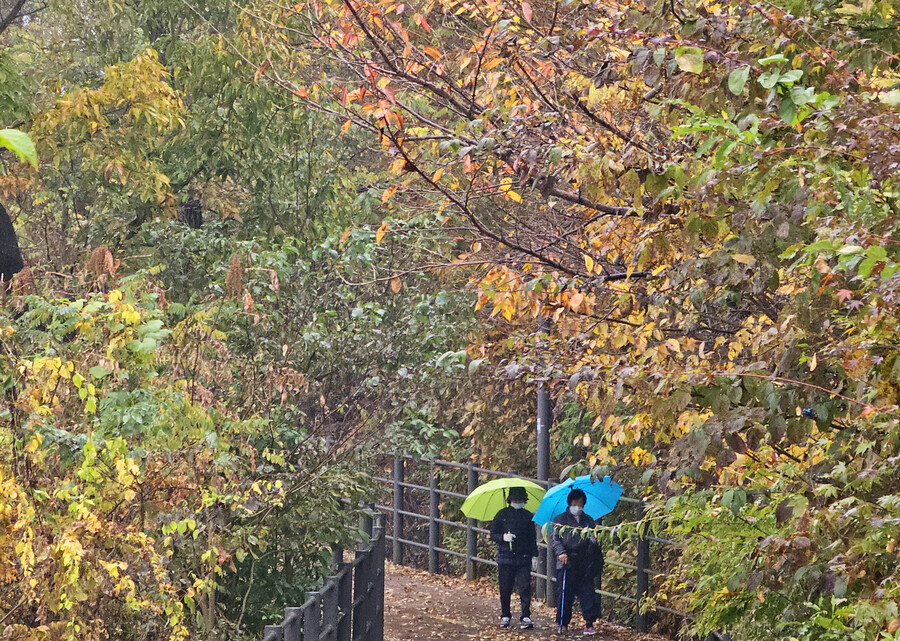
[[582, 552], [524, 546]]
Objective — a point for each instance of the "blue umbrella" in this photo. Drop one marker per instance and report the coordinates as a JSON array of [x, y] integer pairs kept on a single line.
[[602, 497]]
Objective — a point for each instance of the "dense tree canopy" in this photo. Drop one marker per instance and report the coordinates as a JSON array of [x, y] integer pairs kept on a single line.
[[262, 234]]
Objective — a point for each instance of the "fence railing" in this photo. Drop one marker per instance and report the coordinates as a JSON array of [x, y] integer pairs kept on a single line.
[[350, 604], [545, 581]]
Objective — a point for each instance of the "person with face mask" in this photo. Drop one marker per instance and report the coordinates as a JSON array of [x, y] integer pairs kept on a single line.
[[578, 559], [514, 533]]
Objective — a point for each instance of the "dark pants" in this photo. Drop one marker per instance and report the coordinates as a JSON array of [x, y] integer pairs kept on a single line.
[[576, 581], [518, 576]]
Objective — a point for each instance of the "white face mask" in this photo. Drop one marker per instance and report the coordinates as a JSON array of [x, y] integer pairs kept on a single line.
[[517, 505], [575, 510]]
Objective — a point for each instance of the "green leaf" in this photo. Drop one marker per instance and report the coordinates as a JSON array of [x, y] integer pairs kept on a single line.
[[802, 95], [98, 371], [772, 59], [689, 59], [769, 79], [19, 143], [737, 80], [787, 111], [791, 76], [891, 98], [876, 252]]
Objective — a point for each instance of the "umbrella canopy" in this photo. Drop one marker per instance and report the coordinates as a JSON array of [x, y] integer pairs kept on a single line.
[[486, 500], [602, 497]]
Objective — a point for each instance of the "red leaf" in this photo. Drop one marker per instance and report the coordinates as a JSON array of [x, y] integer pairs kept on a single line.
[[844, 295], [526, 11]]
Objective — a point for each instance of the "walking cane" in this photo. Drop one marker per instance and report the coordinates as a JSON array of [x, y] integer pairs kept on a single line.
[[562, 595]]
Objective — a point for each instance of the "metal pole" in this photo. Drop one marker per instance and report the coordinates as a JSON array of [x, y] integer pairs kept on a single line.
[[544, 415], [642, 621], [544, 420], [434, 533], [549, 561], [399, 477], [471, 540]]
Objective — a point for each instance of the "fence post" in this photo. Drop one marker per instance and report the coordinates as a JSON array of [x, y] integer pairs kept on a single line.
[[379, 550], [293, 620], [330, 608], [365, 518], [312, 618], [360, 585], [642, 620], [345, 603], [434, 532], [273, 633], [399, 477], [471, 540]]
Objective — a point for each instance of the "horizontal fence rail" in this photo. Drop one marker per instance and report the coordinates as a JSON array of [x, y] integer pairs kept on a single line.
[[544, 575], [350, 604]]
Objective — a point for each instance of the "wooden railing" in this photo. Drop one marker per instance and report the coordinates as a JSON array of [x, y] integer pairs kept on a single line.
[[350, 604]]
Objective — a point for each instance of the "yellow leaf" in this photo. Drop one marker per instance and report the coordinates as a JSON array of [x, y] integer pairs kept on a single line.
[[396, 284], [346, 235], [514, 196], [814, 363], [437, 175], [743, 259], [346, 127], [380, 233], [386, 196], [434, 53], [589, 263]]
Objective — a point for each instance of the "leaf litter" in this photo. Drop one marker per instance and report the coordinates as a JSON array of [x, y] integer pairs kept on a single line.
[[420, 606]]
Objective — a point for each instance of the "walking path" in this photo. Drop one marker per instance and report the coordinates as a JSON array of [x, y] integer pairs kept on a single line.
[[421, 607]]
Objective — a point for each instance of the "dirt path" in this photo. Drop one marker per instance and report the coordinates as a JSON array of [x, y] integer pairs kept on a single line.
[[421, 606]]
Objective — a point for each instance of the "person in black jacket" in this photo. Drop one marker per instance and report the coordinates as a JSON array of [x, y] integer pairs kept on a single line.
[[578, 560], [514, 533]]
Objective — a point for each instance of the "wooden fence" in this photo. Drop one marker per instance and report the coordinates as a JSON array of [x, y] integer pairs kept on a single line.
[[545, 581], [350, 604]]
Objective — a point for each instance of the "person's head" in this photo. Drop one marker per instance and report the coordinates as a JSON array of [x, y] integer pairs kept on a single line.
[[517, 497], [576, 500]]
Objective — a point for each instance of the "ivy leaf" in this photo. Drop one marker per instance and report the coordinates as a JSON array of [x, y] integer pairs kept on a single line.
[[20, 144], [689, 59], [737, 80]]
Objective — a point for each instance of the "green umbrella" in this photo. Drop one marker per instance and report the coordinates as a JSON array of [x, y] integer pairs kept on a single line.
[[486, 500]]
